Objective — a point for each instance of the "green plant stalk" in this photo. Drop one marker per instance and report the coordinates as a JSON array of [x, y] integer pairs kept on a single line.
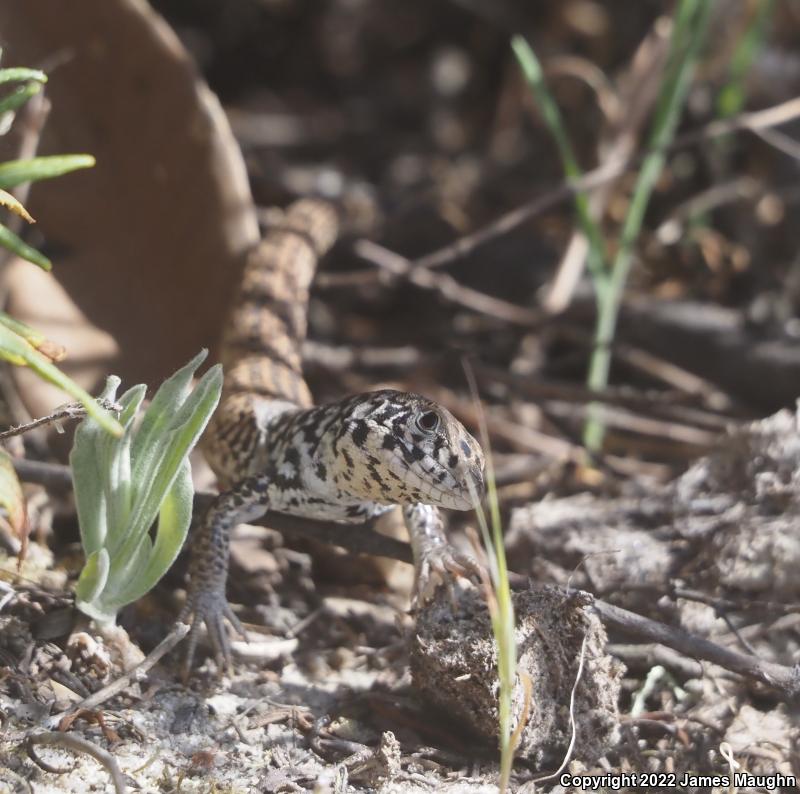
[[687, 39], [16, 350], [501, 612], [534, 75], [503, 625], [731, 98], [30, 335]]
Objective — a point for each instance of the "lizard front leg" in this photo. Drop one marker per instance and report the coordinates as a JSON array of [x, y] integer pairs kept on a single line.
[[208, 569], [435, 560]]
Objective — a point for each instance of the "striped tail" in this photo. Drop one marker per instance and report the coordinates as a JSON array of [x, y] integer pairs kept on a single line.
[[262, 343]]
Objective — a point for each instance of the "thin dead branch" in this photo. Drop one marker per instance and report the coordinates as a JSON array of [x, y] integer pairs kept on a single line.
[[65, 412], [655, 403], [124, 681], [76, 744], [446, 286], [777, 676]]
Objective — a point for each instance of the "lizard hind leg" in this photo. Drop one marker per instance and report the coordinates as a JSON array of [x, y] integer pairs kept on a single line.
[[206, 601], [435, 560]]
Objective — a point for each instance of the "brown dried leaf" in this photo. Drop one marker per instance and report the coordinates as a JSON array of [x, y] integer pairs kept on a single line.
[[13, 204]]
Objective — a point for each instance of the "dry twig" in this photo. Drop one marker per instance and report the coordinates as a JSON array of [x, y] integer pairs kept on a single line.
[[68, 411], [446, 286], [115, 687], [78, 745]]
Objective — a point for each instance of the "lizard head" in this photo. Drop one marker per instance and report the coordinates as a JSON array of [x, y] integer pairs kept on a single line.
[[396, 447]]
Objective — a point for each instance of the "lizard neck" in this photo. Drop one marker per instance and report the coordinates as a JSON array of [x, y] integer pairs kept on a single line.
[[304, 465]]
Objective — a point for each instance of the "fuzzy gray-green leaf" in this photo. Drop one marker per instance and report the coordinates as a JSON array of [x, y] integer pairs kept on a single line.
[[88, 478]]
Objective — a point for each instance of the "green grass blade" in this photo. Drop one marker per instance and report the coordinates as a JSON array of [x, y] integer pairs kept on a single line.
[[30, 335], [499, 600], [19, 96], [534, 75], [19, 247], [691, 23], [15, 349], [35, 169], [20, 74]]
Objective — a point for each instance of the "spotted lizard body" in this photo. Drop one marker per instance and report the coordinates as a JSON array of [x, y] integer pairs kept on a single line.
[[346, 461]]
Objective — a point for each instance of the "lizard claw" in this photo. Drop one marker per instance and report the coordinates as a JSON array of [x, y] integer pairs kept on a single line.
[[442, 565], [210, 608]]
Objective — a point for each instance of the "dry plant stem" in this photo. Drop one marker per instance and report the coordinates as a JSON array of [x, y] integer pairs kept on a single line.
[[78, 745], [446, 286], [652, 654], [780, 141], [655, 403], [607, 172], [69, 411], [777, 676], [672, 375], [573, 736], [18, 783], [361, 539], [731, 605], [521, 438], [633, 423], [609, 101], [124, 681], [741, 188]]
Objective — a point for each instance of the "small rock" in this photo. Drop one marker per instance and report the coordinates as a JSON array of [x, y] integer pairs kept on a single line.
[[454, 662]]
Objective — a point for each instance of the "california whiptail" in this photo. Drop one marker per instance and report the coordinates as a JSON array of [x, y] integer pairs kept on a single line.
[[346, 461]]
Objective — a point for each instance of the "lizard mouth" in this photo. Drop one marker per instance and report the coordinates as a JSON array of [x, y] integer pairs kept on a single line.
[[471, 492]]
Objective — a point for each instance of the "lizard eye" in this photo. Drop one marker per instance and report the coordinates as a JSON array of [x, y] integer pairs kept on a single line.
[[428, 422]]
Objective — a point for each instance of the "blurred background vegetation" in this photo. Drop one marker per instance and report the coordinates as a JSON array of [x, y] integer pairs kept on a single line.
[[417, 119]]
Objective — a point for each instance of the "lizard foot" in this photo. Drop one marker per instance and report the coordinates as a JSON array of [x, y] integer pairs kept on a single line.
[[212, 608], [442, 565]]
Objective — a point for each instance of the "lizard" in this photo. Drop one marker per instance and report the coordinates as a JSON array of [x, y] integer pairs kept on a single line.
[[346, 461]]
